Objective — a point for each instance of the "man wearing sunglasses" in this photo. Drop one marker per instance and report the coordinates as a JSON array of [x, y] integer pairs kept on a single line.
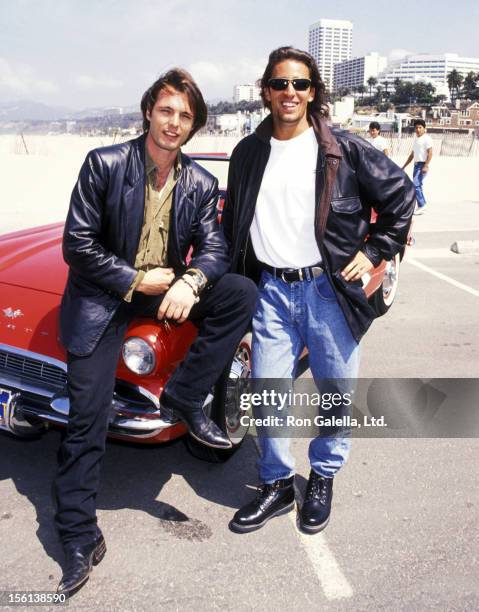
[[297, 218]]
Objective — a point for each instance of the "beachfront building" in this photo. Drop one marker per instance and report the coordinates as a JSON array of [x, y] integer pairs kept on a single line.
[[330, 42], [355, 72], [248, 92], [430, 68]]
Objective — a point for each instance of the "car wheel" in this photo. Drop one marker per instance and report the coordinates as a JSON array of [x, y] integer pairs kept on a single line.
[[223, 407], [383, 298]]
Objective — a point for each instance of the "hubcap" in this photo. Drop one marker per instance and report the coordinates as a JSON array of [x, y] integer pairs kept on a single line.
[[240, 369]]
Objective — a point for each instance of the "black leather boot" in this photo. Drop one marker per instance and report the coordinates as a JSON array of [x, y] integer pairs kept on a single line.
[[314, 515], [78, 564], [271, 500], [199, 425]]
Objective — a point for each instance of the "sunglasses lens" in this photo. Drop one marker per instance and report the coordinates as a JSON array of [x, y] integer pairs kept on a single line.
[[281, 84], [278, 84], [301, 84]]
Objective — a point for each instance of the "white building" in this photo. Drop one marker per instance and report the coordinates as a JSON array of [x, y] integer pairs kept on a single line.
[[330, 42], [250, 93], [343, 110], [354, 72], [431, 68]]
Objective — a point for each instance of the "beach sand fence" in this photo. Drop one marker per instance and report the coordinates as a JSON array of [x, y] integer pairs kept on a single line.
[[450, 144]]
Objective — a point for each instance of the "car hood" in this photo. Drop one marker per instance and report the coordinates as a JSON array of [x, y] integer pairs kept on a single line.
[[33, 259]]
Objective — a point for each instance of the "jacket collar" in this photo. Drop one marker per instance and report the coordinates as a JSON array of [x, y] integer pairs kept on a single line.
[[326, 140], [135, 170], [138, 164]]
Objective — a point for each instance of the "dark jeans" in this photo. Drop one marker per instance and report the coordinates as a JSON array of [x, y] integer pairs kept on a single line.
[[223, 315]]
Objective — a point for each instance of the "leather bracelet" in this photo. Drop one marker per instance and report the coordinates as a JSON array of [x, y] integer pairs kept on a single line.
[[197, 277], [191, 286]]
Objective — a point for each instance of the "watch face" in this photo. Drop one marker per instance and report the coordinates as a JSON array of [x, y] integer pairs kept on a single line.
[[198, 278]]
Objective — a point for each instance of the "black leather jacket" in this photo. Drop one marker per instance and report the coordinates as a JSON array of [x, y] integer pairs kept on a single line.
[[351, 178], [103, 229]]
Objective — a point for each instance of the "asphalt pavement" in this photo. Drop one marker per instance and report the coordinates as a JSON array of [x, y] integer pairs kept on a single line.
[[404, 528]]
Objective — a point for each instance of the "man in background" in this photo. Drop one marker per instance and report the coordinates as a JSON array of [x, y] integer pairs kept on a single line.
[[375, 138], [422, 155]]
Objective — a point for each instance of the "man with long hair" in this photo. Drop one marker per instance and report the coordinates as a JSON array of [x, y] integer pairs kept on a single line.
[[297, 218], [135, 211]]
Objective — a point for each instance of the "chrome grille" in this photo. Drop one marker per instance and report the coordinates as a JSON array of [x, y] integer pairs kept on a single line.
[[32, 370]]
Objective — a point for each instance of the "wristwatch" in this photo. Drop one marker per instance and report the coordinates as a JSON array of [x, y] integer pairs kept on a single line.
[[198, 278]]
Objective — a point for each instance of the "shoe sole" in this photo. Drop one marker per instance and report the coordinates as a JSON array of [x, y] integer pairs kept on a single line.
[[99, 553], [311, 530], [97, 558], [207, 443], [247, 528]]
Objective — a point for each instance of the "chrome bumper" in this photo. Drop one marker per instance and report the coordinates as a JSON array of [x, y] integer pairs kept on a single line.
[[135, 412]]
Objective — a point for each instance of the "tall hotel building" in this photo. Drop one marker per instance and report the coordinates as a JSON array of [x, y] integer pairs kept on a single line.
[[433, 68], [330, 42], [357, 71]]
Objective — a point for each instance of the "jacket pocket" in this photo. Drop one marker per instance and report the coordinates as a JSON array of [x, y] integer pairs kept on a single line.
[[346, 206]]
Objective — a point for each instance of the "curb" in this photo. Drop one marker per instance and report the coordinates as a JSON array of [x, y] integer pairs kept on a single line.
[[465, 246]]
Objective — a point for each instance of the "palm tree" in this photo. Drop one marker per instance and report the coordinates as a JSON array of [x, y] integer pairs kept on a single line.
[[371, 82], [362, 90], [469, 84], [379, 91], [386, 93], [454, 82]]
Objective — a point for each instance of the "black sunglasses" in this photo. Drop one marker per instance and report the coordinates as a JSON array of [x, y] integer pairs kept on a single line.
[[281, 84]]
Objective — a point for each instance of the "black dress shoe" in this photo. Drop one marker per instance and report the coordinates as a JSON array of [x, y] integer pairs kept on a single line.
[[314, 515], [78, 564], [272, 500], [199, 425]]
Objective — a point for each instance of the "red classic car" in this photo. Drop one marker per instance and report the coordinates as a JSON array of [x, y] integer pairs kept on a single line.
[[32, 361]]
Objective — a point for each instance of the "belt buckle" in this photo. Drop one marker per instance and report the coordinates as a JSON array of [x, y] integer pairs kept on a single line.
[[298, 272]]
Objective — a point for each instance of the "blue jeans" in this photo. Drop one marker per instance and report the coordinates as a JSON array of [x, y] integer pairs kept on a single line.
[[418, 178], [288, 318]]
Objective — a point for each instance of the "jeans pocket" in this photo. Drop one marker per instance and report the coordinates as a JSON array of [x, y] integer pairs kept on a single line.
[[324, 288]]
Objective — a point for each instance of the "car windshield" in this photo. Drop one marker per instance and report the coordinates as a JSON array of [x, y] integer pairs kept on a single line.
[[217, 167]]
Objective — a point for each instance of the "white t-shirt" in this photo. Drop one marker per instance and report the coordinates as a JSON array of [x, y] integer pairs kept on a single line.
[[379, 143], [282, 232], [420, 146]]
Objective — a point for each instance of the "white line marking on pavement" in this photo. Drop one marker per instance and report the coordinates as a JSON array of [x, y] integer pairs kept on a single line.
[[441, 253], [450, 230], [441, 276], [332, 579]]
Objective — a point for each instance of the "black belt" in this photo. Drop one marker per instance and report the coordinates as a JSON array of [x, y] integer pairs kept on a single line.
[[291, 275]]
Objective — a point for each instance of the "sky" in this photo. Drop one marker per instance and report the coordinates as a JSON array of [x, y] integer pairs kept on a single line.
[[88, 53]]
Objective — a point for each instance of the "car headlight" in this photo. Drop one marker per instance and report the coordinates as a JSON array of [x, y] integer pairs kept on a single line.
[[138, 356]]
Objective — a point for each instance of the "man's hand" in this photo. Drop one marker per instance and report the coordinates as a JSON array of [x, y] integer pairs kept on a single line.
[[177, 302], [156, 281], [425, 168], [358, 266]]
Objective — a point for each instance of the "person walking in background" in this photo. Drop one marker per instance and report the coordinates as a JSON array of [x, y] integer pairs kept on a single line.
[[422, 155], [375, 138]]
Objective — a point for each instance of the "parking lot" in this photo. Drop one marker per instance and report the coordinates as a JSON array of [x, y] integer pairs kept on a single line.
[[404, 528]]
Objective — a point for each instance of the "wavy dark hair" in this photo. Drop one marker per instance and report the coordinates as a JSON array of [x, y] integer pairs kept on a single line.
[[181, 81], [316, 106]]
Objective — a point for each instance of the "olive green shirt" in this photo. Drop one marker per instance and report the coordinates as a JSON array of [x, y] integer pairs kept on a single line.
[[152, 248]]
